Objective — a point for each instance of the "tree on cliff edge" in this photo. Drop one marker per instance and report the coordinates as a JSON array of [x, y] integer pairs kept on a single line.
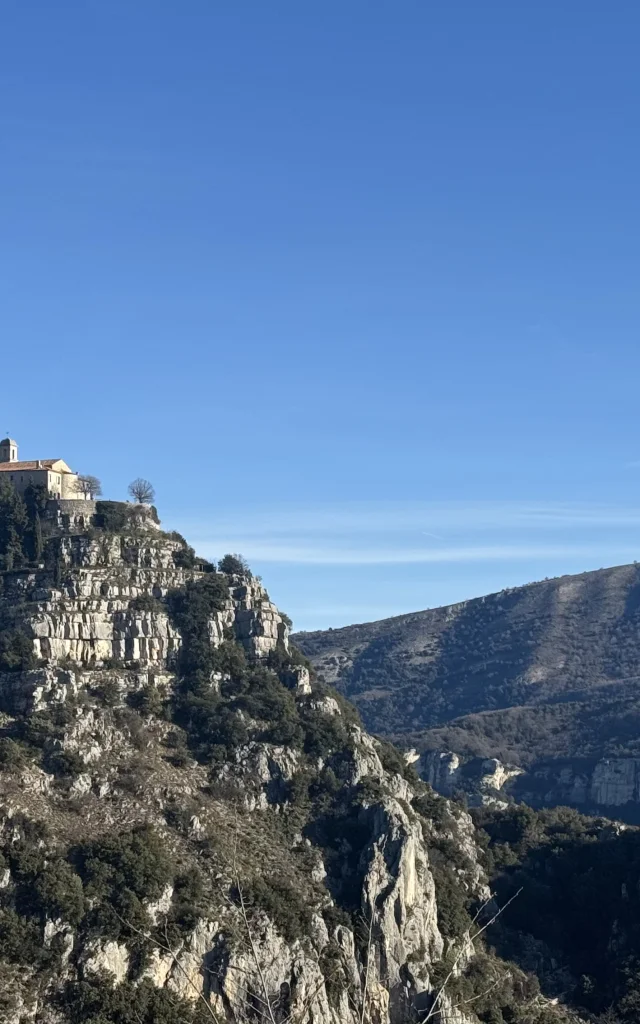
[[142, 491]]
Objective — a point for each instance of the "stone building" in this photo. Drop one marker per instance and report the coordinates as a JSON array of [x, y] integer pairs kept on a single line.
[[54, 474]]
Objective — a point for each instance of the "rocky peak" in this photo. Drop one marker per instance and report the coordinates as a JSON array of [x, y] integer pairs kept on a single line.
[[192, 827]]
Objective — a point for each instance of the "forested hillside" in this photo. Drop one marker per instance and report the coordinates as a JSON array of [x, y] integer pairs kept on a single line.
[[546, 671]]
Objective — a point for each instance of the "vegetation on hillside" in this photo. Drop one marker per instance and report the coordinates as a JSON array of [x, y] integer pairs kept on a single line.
[[576, 920], [21, 542], [99, 888], [223, 700], [136, 788], [546, 670]]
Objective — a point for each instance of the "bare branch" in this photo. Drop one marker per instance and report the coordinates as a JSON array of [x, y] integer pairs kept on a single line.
[[88, 486], [167, 949], [434, 1007], [471, 999], [142, 491], [366, 972]]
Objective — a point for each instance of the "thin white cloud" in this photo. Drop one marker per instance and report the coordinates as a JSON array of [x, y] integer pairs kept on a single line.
[[388, 533], [424, 518], [308, 555]]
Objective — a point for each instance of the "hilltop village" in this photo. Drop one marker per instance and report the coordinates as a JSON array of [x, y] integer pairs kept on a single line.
[[54, 475]]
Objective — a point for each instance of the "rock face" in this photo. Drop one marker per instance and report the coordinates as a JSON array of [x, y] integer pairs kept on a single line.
[[274, 869], [90, 618], [611, 785], [100, 605], [484, 781]]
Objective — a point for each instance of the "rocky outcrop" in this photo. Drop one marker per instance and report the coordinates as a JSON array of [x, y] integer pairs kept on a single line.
[[283, 881], [484, 781], [106, 606], [610, 785], [111, 958]]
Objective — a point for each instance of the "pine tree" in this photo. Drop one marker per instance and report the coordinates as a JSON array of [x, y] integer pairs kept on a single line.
[[13, 527], [38, 541]]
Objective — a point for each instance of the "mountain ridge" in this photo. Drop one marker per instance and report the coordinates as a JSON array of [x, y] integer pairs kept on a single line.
[[546, 672]]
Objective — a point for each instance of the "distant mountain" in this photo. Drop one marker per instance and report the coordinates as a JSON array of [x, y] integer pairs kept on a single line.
[[544, 676]]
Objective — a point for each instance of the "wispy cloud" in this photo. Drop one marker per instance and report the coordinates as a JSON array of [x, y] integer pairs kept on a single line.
[[432, 518], [265, 552], [385, 533]]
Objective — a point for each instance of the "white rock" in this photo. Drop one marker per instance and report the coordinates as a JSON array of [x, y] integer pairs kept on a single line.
[[112, 957]]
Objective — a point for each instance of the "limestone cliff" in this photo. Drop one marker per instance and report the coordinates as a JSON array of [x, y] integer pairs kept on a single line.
[[192, 829], [607, 786]]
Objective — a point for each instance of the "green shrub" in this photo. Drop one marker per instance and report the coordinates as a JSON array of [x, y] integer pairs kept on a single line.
[[21, 539], [174, 535], [324, 733], [342, 829], [16, 651], [98, 1002], [65, 763], [12, 755], [180, 758], [42, 728], [112, 516], [451, 899], [136, 861], [191, 607], [265, 699], [281, 901], [20, 938], [13, 528], [58, 892], [332, 965], [184, 558], [146, 603], [391, 758], [234, 565], [578, 903], [108, 692], [434, 808], [148, 700]]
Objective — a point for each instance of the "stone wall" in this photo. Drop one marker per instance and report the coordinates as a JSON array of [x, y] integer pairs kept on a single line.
[[70, 506], [71, 515]]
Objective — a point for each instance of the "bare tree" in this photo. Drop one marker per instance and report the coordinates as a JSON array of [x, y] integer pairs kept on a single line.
[[142, 491], [88, 486]]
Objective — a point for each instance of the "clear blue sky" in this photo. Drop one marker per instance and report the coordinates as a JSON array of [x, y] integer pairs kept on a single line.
[[355, 284]]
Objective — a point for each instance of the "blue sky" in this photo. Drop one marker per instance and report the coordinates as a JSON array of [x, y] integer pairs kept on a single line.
[[354, 284]]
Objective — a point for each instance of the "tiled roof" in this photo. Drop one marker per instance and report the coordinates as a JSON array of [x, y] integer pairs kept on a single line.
[[6, 467]]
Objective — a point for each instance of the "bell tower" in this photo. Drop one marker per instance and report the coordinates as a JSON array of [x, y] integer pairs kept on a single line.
[[8, 450]]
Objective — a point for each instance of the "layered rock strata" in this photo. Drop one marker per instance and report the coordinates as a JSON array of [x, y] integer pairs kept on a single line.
[[352, 856]]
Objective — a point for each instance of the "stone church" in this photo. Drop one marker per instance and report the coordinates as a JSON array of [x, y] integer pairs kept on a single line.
[[54, 474]]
